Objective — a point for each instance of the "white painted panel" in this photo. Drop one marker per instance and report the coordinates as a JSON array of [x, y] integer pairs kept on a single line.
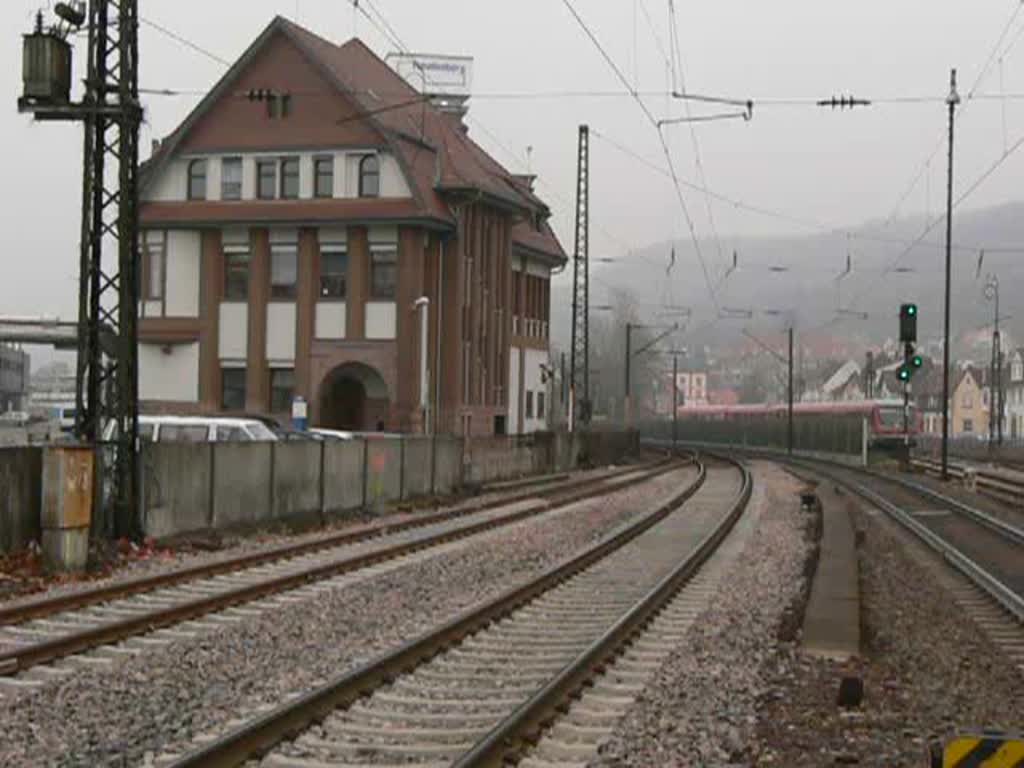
[[306, 177], [284, 236], [383, 234], [513, 389], [213, 176], [380, 320], [341, 175], [330, 320], [152, 309], [537, 269], [169, 373], [183, 267], [281, 331], [532, 382], [333, 235], [392, 180], [351, 180], [234, 330], [248, 178], [171, 184]]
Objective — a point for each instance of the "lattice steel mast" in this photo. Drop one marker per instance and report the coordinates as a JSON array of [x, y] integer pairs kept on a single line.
[[107, 369], [579, 394]]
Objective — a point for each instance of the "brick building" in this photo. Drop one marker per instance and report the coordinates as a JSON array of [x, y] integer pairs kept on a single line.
[[293, 221]]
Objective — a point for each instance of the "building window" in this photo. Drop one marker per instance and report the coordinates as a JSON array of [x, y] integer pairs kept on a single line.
[[290, 178], [1018, 371], [231, 178], [197, 180], [333, 273], [369, 176], [236, 274], [529, 405], [323, 177], [266, 183], [968, 425], [232, 389], [540, 405], [282, 389], [155, 274], [383, 273], [284, 271]]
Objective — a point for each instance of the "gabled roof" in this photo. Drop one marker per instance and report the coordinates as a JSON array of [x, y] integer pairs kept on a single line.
[[433, 148]]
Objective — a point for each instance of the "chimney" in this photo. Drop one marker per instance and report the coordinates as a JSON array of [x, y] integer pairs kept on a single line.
[[155, 147]]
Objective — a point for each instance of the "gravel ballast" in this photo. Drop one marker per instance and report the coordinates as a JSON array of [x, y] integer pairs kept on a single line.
[[701, 708], [147, 703], [929, 672]]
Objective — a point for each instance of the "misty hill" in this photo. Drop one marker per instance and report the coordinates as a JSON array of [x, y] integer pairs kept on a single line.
[[812, 264]]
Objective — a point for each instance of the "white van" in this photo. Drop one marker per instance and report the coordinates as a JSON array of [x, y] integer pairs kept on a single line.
[[198, 429]]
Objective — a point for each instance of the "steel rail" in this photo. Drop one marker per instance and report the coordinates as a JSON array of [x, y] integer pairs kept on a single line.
[[507, 740], [979, 576], [262, 734], [24, 611], [975, 573], [28, 656]]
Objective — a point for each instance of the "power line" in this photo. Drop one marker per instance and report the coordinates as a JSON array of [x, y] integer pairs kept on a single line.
[[184, 41], [664, 146]]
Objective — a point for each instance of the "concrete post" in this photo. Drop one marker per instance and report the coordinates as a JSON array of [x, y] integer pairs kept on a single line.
[[68, 473]]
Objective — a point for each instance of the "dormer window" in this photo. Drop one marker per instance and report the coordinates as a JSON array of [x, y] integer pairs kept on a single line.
[[197, 180], [369, 176]]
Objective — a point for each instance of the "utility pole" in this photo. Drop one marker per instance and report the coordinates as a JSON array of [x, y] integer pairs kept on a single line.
[[628, 400], [106, 391], [995, 410], [789, 441], [579, 388], [675, 402], [952, 101]]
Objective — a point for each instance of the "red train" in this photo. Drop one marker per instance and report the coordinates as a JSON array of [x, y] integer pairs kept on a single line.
[[884, 417]]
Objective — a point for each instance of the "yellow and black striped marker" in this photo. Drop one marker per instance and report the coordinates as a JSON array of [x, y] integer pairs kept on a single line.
[[988, 751]]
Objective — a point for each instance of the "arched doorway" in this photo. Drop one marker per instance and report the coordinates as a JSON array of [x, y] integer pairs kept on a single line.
[[354, 397]]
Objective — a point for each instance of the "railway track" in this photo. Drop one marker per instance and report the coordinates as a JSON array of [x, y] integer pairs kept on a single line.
[[996, 485], [130, 617], [979, 563], [477, 690]]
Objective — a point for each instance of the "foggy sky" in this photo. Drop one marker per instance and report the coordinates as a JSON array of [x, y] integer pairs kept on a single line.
[[838, 168]]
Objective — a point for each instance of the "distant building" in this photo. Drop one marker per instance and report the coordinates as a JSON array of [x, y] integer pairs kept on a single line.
[[1015, 394], [970, 406], [294, 223], [14, 378], [692, 381]]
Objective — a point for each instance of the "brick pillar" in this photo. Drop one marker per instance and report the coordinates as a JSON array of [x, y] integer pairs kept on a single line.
[[308, 289], [452, 330], [358, 282], [409, 289], [257, 379], [211, 286]]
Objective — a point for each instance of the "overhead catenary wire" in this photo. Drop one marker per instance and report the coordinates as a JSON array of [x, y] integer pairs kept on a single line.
[[664, 146]]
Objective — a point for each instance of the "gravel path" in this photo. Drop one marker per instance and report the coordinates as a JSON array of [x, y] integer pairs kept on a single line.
[[168, 696], [928, 671], [701, 709]]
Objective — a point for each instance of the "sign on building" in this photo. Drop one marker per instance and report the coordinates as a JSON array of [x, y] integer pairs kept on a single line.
[[449, 77]]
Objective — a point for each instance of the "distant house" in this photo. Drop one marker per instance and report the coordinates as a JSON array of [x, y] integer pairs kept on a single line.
[[970, 405], [1015, 394], [692, 381]]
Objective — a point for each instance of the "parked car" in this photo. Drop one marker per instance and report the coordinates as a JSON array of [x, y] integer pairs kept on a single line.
[[198, 429]]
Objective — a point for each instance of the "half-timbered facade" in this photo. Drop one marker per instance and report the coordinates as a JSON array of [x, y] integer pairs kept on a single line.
[[293, 226]]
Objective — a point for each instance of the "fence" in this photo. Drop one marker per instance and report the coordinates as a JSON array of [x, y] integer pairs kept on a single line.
[[812, 433], [191, 487]]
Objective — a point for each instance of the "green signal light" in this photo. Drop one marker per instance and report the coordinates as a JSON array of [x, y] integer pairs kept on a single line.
[[917, 361], [904, 374], [912, 309]]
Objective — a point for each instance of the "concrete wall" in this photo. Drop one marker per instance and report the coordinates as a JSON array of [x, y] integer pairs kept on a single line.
[[343, 475], [189, 488], [21, 472], [176, 488]]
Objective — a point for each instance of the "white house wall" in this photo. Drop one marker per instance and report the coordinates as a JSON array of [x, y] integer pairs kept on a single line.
[[532, 382], [513, 389], [169, 373], [280, 332], [183, 269], [172, 183], [234, 331]]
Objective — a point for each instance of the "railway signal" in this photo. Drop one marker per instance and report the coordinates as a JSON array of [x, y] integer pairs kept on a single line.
[[908, 323]]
